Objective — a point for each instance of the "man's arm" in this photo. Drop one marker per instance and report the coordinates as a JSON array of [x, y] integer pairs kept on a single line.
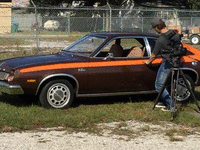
[[152, 57], [156, 50]]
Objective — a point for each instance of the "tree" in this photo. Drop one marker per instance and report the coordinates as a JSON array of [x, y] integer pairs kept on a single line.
[[186, 4], [88, 2], [194, 4], [45, 3]]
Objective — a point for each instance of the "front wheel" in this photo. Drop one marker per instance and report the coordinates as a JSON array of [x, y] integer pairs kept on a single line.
[[195, 39], [183, 92], [57, 94]]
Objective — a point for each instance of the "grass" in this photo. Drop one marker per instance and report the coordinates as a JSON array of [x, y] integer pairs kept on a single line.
[[18, 113], [46, 32], [48, 36], [145, 128], [122, 124], [11, 42], [8, 54], [177, 134], [56, 39]]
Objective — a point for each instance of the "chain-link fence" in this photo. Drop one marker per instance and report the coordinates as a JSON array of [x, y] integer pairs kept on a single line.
[[29, 28]]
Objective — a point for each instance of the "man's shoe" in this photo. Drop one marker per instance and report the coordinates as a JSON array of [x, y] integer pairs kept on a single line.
[[167, 108], [160, 105]]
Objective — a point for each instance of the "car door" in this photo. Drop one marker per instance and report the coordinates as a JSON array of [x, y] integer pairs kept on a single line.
[[121, 74]]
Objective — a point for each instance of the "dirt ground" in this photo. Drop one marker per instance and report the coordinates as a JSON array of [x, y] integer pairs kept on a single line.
[[113, 136]]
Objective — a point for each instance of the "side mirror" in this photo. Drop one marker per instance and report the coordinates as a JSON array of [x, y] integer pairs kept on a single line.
[[110, 55]]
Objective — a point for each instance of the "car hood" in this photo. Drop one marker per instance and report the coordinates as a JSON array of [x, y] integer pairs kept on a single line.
[[27, 61]]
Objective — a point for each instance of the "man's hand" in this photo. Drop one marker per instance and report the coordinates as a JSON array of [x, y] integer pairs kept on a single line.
[[152, 57], [147, 62]]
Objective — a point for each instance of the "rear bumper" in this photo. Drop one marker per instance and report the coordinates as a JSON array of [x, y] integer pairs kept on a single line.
[[10, 89]]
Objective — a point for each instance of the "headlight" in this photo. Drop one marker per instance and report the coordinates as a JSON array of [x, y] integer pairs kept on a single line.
[[194, 63], [10, 78], [4, 75]]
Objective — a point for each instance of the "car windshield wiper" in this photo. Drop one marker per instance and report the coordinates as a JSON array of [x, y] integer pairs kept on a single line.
[[65, 51], [70, 52]]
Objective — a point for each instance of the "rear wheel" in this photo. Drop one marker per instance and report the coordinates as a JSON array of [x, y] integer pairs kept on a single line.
[[183, 91], [195, 39], [57, 94]]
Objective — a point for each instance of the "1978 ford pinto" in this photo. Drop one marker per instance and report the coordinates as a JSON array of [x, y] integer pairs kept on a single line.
[[99, 64]]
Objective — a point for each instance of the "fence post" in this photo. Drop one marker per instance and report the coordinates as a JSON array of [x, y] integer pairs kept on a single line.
[[142, 24], [110, 17], [68, 22], [110, 20], [121, 24], [176, 14], [36, 22], [103, 21], [107, 22]]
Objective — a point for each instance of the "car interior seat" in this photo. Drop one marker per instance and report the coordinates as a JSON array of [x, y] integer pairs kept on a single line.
[[136, 52], [116, 49]]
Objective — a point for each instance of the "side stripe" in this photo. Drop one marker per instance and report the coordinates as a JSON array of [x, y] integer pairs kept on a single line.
[[87, 65], [106, 63]]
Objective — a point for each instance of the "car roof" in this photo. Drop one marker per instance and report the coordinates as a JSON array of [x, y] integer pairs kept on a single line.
[[116, 34]]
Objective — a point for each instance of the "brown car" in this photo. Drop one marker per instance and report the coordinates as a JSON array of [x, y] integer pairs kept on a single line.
[[99, 64]]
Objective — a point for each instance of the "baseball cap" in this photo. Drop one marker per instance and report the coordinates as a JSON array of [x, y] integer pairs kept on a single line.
[[156, 21]]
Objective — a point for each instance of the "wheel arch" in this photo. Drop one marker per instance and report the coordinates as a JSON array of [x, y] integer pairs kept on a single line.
[[194, 34], [67, 77], [192, 73]]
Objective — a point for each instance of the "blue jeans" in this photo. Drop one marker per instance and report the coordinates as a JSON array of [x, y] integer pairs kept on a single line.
[[160, 79]]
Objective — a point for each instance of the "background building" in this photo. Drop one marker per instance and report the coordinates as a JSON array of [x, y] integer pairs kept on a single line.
[[20, 3], [5, 16]]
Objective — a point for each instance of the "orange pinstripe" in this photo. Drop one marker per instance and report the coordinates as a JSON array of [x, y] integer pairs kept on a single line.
[[108, 63], [83, 64]]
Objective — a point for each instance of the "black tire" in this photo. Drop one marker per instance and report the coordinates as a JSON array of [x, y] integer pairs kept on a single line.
[[58, 94], [194, 39], [183, 93]]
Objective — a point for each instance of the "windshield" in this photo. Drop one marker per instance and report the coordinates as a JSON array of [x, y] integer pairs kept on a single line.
[[87, 44]]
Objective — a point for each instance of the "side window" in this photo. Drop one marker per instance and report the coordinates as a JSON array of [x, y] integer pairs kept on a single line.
[[134, 47], [130, 42], [104, 52], [107, 48], [125, 47]]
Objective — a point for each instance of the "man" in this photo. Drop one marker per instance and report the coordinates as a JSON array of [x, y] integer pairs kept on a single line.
[[161, 44]]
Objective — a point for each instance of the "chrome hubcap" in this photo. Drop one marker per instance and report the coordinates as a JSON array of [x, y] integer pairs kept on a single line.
[[183, 92], [58, 95], [195, 40]]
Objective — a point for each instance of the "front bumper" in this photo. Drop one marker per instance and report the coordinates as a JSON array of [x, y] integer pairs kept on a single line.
[[10, 89]]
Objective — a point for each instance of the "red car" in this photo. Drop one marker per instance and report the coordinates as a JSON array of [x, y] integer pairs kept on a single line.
[[99, 64]]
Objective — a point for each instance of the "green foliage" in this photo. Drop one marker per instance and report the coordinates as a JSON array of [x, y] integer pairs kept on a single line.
[[187, 4], [88, 2], [47, 3], [194, 4]]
